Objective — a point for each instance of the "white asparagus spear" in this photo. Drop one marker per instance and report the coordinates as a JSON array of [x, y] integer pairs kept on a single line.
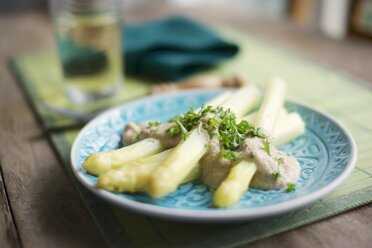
[[235, 184], [100, 162], [219, 99], [272, 103], [243, 100], [166, 178], [288, 128], [250, 117], [134, 176]]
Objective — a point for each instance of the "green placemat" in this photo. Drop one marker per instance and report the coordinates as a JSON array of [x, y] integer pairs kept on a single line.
[[341, 95]]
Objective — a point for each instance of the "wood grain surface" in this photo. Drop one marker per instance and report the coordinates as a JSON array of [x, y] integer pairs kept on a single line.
[[46, 208], [39, 206], [8, 230]]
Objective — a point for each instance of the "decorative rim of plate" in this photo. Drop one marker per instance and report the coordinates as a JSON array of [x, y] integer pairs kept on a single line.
[[205, 215]]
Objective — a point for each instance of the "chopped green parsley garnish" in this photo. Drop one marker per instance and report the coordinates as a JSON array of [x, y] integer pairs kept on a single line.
[[219, 123], [279, 160], [266, 146], [251, 155], [276, 175], [173, 131], [153, 124], [178, 129], [290, 187], [231, 155]]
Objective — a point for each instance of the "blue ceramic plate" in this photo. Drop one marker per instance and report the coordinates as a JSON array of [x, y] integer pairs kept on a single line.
[[326, 152]]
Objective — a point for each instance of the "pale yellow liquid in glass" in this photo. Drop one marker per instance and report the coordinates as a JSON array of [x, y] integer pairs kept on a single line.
[[90, 51]]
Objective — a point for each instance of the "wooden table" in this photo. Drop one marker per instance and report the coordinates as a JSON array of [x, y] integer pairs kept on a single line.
[[39, 206]]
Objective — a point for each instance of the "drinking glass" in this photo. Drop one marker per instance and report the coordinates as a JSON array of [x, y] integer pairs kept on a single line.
[[89, 40]]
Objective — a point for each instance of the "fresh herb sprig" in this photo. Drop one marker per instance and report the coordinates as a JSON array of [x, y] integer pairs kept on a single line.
[[290, 187], [276, 175], [266, 146]]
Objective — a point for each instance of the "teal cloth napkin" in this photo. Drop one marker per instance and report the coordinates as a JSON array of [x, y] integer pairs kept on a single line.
[[172, 48]]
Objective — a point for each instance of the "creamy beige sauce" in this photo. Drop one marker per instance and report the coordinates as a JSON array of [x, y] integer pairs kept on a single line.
[[215, 168], [136, 132], [268, 165]]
